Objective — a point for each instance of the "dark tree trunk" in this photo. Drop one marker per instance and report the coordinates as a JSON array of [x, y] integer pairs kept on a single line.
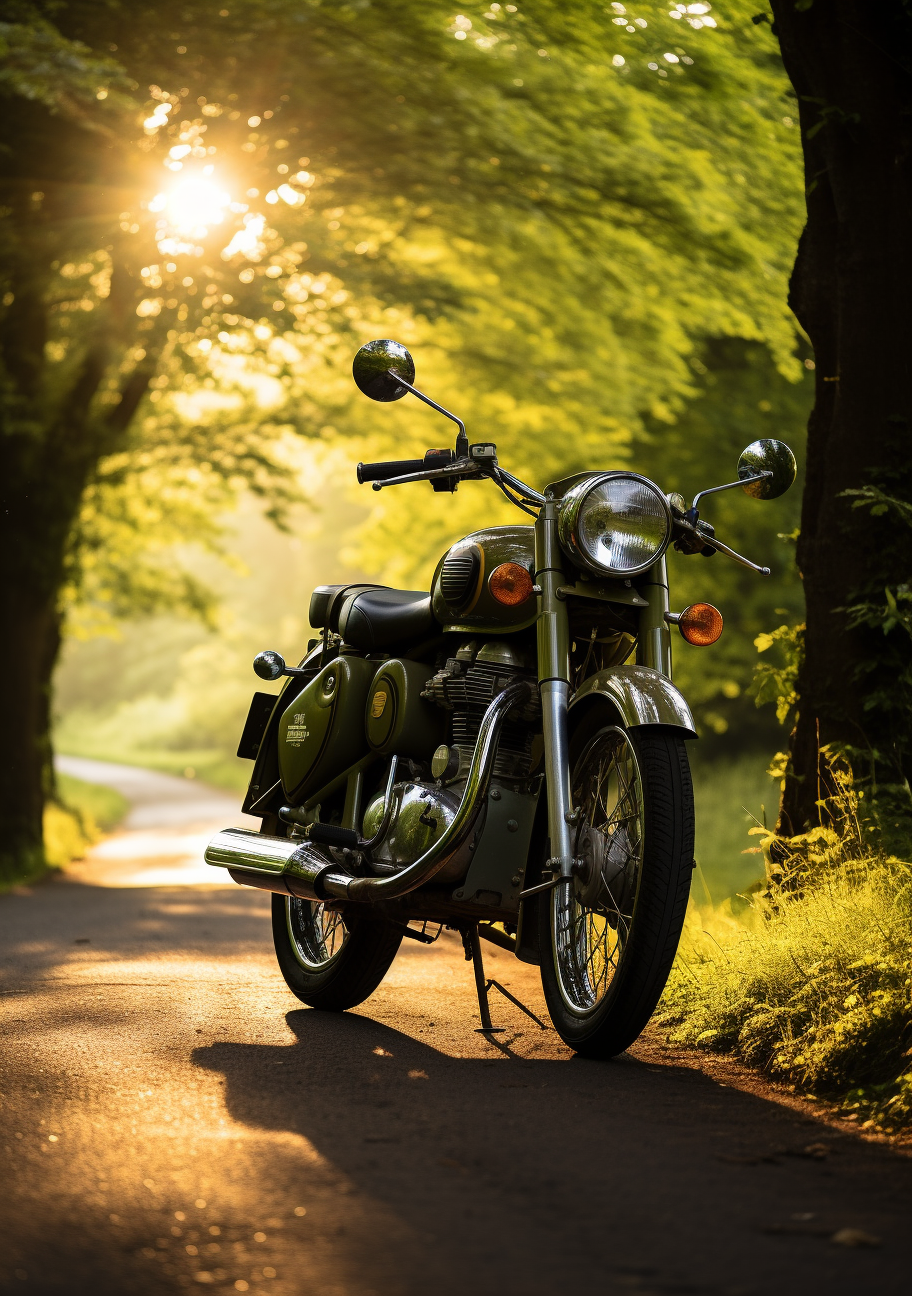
[[49, 452], [850, 62], [28, 651]]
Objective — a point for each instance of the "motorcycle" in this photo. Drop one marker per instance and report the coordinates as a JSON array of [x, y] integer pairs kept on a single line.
[[487, 757]]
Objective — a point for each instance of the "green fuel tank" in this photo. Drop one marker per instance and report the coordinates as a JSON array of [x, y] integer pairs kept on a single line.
[[467, 574]]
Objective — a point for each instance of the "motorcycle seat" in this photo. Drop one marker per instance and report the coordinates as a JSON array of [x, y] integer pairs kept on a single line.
[[379, 618], [327, 601]]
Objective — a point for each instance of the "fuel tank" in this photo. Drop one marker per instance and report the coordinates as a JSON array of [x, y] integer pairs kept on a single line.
[[461, 592]]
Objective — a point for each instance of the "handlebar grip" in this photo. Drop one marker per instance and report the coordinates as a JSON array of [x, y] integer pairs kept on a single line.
[[368, 472]]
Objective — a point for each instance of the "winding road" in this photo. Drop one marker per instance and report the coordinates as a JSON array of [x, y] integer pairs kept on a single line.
[[172, 1119]]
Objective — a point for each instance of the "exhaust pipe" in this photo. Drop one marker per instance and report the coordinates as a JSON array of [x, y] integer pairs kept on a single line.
[[301, 869]]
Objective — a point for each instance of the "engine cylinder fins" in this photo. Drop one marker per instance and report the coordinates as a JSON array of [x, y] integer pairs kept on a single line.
[[461, 577]]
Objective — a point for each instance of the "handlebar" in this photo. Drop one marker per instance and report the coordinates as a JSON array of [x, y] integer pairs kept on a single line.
[[368, 472]]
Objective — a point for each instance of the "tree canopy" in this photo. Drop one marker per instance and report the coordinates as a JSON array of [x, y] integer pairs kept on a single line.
[[204, 212]]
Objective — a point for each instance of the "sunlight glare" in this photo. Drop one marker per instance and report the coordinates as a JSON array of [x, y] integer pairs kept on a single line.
[[192, 206]]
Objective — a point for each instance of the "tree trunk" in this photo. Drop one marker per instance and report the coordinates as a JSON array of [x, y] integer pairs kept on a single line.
[[28, 651], [49, 451], [850, 62]]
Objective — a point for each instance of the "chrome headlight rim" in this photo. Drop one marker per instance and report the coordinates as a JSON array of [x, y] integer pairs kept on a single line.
[[568, 514]]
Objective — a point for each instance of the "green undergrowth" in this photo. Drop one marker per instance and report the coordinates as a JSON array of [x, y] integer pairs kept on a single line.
[[812, 988], [85, 735], [80, 815]]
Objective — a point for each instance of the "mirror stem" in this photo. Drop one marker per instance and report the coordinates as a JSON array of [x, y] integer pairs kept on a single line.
[[713, 490], [462, 440]]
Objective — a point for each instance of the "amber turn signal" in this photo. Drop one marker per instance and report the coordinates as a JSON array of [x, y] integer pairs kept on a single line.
[[510, 584], [700, 624]]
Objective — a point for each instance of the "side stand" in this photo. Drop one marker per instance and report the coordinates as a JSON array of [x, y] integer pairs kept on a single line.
[[472, 942]]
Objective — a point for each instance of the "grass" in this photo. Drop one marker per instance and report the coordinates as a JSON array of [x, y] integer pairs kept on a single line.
[[810, 982], [82, 814], [210, 764]]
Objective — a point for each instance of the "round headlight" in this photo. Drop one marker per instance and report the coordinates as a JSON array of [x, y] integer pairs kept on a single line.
[[614, 524]]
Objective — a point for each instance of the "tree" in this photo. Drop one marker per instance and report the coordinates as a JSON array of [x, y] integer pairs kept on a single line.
[[566, 223], [851, 66]]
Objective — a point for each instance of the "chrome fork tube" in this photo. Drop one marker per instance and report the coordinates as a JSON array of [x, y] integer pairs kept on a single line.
[[654, 639], [553, 631]]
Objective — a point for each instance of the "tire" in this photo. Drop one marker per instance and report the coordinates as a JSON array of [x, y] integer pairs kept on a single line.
[[608, 938], [328, 961]]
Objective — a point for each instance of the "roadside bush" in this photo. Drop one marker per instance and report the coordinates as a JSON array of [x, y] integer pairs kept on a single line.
[[79, 816], [812, 983]]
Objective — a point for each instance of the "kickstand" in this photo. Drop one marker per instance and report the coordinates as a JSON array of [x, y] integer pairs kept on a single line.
[[472, 942]]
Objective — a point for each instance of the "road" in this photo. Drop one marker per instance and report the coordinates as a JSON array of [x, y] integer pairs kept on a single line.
[[172, 1119]]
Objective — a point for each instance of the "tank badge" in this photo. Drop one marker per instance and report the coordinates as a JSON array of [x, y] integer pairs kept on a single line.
[[378, 704], [297, 731]]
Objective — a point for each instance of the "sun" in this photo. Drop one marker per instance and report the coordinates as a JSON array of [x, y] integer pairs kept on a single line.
[[192, 206]]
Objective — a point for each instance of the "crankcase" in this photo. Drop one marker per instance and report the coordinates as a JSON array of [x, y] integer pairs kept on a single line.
[[421, 815]]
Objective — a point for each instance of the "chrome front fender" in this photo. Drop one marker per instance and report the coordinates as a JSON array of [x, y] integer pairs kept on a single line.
[[640, 695]]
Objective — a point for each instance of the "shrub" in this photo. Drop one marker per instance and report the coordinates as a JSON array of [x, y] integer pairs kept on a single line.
[[813, 988]]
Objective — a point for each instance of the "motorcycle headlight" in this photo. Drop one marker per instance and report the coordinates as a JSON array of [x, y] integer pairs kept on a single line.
[[614, 524]]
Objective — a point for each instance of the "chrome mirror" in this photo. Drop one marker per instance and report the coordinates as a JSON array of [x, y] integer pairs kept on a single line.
[[773, 458], [372, 365]]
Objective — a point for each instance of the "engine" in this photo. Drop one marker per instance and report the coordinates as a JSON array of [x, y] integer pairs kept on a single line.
[[464, 688]]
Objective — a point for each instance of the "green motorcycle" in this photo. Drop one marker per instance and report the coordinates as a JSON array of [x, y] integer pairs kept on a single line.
[[505, 756]]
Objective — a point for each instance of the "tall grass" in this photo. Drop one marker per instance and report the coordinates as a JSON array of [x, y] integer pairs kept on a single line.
[[811, 983]]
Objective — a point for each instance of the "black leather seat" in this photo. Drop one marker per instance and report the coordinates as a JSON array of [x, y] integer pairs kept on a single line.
[[374, 619]]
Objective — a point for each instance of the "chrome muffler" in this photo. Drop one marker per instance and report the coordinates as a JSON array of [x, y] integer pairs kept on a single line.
[[302, 869]]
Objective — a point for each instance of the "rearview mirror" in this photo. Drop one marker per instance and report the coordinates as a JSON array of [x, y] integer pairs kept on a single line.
[[773, 457], [372, 365]]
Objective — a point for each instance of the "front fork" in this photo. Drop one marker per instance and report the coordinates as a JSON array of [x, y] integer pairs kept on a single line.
[[553, 631]]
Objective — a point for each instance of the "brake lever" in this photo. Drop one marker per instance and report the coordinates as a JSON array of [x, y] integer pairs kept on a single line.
[[736, 557], [710, 540]]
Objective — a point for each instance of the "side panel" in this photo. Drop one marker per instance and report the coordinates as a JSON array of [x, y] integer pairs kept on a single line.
[[399, 721], [641, 695], [321, 732]]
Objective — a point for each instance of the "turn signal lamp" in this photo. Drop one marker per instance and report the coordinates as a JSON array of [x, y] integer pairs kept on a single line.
[[510, 584], [700, 624]]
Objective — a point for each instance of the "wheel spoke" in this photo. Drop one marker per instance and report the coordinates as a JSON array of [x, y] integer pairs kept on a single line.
[[590, 938], [317, 933]]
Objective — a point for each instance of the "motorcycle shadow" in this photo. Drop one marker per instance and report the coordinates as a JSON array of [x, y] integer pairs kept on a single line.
[[495, 1145]]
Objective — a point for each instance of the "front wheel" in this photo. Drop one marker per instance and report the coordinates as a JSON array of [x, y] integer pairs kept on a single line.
[[608, 938], [331, 960]]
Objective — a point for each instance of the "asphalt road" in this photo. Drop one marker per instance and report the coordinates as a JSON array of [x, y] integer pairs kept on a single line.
[[172, 1119]]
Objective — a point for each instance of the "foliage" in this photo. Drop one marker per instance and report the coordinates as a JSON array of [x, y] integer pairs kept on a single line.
[[560, 210], [79, 814], [779, 682], [812, 986], [543, 194]]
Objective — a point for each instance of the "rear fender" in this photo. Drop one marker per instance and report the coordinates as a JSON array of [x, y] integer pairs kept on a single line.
[[639, 695]]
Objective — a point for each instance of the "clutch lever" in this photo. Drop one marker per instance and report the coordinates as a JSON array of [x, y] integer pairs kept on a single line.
[[462, 468]]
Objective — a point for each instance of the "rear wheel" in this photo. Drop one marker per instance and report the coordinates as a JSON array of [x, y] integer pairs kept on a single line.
[[330, 960], [608, 938]]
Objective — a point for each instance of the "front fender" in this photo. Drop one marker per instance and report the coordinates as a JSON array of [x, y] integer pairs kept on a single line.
[[641, 696]]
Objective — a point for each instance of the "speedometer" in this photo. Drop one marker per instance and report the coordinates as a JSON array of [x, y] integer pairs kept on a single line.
[[614, 524]]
